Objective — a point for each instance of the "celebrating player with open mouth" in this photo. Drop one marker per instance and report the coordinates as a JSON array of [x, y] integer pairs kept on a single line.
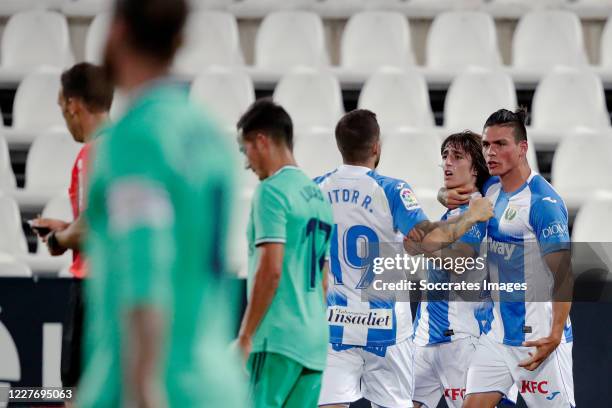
[[367, 359], [446, 331]]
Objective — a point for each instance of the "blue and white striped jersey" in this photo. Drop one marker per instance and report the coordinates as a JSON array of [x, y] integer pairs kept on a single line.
[[368, 209], [528, 224], [443, 320]]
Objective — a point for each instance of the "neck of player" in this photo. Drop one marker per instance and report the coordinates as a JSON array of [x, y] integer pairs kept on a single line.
[[516, 177], [91, 124], [278, 158]]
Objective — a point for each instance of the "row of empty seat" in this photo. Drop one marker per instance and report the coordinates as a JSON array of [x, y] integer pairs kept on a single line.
[[566, 99], [332, 8], [371, 39], [579, 169]]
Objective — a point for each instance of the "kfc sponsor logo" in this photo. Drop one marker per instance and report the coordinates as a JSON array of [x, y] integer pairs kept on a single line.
[[534, 387], [454, 393]]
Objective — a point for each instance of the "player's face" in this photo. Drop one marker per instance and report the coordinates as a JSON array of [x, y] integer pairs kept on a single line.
[[254, 159], [68, 106], [457, 166], [500, 149]]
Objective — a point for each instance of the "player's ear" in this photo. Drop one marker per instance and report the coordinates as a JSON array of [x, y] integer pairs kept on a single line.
[[523, 146], [261, 141]]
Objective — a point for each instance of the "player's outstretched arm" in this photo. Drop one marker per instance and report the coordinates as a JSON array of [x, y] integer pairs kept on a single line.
[[438, 235], [559, 264], [266, 282]]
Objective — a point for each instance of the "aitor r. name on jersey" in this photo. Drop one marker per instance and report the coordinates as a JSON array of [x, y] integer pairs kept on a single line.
[[368, 209]]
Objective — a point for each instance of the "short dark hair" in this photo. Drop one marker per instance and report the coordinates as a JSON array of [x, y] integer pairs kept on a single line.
[[506, 118], [270, 118], [155, 27], [356, 133], [90, 84], [471, 144]]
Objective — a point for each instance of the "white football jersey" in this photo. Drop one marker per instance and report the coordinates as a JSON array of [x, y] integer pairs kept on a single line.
[[368, 209], [528, 224]]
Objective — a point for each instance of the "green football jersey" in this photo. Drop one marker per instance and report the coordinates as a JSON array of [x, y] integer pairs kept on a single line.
[[289, 208], [159, 202]]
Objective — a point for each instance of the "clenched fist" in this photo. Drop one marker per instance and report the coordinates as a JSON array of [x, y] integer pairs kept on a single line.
[[480, 209]]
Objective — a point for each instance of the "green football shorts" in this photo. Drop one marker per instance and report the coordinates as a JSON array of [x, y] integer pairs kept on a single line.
[[278, 381]]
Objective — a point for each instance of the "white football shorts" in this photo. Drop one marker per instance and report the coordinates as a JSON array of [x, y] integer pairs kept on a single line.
[[495, 368], [355, 373]]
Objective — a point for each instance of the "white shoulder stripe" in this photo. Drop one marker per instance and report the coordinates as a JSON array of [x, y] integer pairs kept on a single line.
[[138, 202]]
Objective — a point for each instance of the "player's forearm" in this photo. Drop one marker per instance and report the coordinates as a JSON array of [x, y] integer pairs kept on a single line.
[[264, 289], [145, 331], [445, 233], [72, 236], [325, 272], [559, 264], [560, 313]]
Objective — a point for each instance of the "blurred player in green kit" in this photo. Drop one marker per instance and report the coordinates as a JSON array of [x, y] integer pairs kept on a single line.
[[158, 323], [284, 330]]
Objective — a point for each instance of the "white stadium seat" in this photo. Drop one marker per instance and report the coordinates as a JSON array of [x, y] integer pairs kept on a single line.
[[210, 4], [372, 39], [316, 152], [413, 156], [313, 99], [459, 39], [399, 98], [225, 93], [96, 38], [567, 99], [35, 38], [592, 235], [606, 45], [119, 105], [211, 38], [12, 238], [48, 168], [474, 95], [35, 108], [289, 38], [545, 38], [11, 267], [238, 247], [581, 167], [86, 8], [592, 223], [7, 177]]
